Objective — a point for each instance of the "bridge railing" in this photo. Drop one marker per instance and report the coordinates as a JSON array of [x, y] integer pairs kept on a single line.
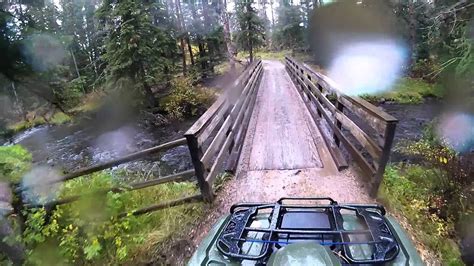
[[217, 137], [177, 177], [365, 131]]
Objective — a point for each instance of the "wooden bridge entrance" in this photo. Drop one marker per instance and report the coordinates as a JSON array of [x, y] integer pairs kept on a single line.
[[301, 121]]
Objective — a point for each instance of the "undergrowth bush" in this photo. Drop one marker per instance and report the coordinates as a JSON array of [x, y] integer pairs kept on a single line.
[[187, 100], [408, 190], [14, 162], [71, 93], [435, 196], [87, 231], [453, 192]]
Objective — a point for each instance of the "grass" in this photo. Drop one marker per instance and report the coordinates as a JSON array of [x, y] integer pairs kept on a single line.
[[24, 124], [407, 190], [89, 103], [408, 91], [58, 118], [265, 54]]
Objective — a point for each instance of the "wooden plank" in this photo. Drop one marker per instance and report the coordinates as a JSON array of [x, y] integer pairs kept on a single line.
[[336, 154], [217, 166], [196, 154], [377, 180], [224, 130], [377, 124], [219, 117], [358, 157], [216, 142], [178, 177], [365, 140], [240, 137], [317, 92], [206, 117], [96, 168], [209, 114], [164, 205]]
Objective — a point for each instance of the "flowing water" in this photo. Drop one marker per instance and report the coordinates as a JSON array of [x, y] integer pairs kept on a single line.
[[73, 146], [412, 120]]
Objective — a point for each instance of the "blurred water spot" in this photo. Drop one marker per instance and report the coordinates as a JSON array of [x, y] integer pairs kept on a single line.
[[43, 52], [37, 180], [456, 129], [116, 143], [367, 67]]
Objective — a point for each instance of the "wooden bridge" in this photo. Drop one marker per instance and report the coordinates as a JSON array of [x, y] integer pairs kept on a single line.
[[300, 121]]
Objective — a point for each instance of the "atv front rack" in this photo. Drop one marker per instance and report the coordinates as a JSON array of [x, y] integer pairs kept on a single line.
[[292, 220]]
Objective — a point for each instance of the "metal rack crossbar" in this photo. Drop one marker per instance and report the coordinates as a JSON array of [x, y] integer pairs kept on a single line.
[[310, 222]]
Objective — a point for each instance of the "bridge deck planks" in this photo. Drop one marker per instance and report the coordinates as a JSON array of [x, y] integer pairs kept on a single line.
[[283, 138]]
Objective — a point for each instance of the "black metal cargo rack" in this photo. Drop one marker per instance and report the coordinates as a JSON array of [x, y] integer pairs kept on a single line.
[[294, 220]]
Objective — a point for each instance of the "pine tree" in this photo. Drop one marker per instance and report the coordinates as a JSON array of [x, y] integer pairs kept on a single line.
[[251, 33], [135, 48], [289, 30]]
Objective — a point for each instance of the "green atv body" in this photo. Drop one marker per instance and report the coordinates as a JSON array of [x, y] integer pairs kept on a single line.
[[306, 234]]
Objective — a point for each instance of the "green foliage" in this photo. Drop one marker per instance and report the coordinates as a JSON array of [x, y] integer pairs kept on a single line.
[[135, 47], [289, 31], [251, 32], [453, 188], [14, 162], [187, 100], [435, 196], [60, 118], [26, 124], [408, 190], [409, 91], [71, 93], [88, 232]]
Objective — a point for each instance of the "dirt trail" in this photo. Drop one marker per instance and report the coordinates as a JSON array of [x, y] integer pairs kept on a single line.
[[283, 155]]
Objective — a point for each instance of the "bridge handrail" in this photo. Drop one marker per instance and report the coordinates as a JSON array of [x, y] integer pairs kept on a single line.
[[218, 135], [314, 87], [177, 177]]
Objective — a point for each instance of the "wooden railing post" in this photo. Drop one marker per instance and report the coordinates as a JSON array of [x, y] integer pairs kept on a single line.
[[196, 154], [338, 123], [388, 140]]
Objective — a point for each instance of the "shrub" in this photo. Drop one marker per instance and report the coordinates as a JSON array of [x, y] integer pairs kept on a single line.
[[186, 100], [14, 162], [408, 190], [87, 231], [60, 118], [70, 94], [452, 191]]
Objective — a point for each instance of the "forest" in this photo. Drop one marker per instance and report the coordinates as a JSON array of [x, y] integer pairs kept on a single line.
[[164, 62]]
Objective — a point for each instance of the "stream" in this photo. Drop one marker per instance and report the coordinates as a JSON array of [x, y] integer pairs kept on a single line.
[[85, 143], [412, 120]]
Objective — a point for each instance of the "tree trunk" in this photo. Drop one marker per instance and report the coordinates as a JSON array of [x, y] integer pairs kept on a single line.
[[231, 50], [75, 63], [190, 50], [183, 52], [412, 28], [273, 16], [180, 26]]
